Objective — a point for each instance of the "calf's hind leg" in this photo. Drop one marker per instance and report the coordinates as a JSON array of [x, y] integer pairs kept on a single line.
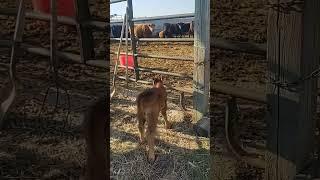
[[141, 125], [150, 135]]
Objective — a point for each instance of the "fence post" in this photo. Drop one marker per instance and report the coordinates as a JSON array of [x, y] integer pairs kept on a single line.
[[85, 33], [201, 72], [292, 53]]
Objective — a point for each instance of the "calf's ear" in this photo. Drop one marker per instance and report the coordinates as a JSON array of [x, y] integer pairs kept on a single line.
[[153, 81]]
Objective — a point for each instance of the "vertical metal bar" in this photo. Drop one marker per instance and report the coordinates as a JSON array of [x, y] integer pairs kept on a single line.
[[53, 37], [85, 33], [127, 77], [118, 53], [133, 40]]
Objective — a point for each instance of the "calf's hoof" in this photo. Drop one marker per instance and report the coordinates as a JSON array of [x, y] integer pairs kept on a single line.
[[151, 158]]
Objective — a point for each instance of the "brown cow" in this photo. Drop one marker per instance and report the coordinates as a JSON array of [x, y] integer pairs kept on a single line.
[[95, 131], [149, 104], [143, 30]]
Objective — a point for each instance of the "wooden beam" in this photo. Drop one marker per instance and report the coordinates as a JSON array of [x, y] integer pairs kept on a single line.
[[85, 33], [53, 36], [245, 47], [201, 72], [248, 94], [293, 53], [98, 63]]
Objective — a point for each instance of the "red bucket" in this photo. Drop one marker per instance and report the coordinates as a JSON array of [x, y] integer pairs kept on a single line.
[[64, 7], [122, 59]]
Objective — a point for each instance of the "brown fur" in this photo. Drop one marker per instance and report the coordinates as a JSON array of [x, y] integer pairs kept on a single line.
[[149, 104], [143, 30], [95, 132]]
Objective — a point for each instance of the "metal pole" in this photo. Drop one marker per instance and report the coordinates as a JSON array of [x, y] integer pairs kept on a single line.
[[127, 48], [118, 54]]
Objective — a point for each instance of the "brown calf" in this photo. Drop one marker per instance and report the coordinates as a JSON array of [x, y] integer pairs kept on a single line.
[[149, 104], [95, 131], [161, 34]]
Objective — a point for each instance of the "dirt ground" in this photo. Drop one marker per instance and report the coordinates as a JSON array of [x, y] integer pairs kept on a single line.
[[45, 143]]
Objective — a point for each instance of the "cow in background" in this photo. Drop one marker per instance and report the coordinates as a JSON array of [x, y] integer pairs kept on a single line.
[[191, 29], [171, 30], [143, 31], [116, 31], [184, 28]]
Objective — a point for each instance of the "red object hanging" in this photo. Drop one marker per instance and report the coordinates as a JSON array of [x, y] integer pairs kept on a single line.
[[64, 7], [122, 59]]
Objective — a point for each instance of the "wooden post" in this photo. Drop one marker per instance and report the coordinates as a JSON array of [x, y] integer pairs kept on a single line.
[[133, 40], [53, 36], [292, 53], [85, 33], [201, 73]]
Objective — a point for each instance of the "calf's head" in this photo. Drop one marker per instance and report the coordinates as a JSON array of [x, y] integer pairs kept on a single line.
[[158, 82]]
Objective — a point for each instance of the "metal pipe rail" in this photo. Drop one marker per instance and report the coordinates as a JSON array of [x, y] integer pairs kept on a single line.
[[161, 72], [142, 19], [246, 47], [165, 72], [185, 90], [159, 39], [99, 25], [116, 1], [158, 57]]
